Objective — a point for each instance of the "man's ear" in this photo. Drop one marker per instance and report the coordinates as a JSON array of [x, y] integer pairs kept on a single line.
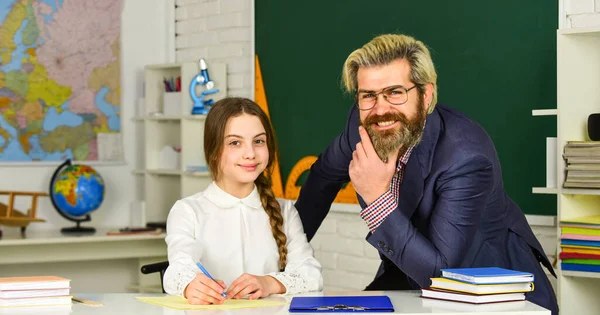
[[428, 96]]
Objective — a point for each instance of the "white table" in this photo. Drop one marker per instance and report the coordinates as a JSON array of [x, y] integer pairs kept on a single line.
[[405, 302], [94, 263]]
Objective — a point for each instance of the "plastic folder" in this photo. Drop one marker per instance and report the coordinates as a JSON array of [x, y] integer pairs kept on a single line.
[[341, 304]]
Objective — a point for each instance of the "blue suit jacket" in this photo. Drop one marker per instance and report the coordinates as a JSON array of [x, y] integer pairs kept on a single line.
[[452, 211]]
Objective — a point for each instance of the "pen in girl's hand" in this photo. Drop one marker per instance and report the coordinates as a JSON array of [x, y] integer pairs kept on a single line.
[[208, 275]]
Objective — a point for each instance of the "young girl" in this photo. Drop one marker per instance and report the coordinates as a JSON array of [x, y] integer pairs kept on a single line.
[[251, 243]]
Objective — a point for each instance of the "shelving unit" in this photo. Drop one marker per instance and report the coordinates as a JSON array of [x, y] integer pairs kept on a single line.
[[544, 190], [578, 96], [544, 112], [160, 187]]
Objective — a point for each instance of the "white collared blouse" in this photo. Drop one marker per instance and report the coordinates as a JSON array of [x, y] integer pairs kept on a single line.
[[232, 236]]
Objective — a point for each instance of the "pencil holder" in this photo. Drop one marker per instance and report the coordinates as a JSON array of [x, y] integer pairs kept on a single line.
[[172, 103]]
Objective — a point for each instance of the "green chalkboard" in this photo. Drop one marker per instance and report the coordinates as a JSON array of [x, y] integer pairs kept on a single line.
[[496, 61]]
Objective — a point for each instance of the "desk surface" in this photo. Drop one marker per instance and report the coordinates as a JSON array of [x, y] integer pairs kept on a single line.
[[405, 302]]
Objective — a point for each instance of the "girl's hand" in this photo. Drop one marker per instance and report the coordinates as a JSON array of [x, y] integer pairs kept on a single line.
[[256, 286], [202, 290]]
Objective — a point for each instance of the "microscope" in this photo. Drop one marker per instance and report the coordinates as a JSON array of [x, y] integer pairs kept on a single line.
[[202, 78]]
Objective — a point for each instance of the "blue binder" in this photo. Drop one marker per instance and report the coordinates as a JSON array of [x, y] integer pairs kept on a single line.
[[378, 303]]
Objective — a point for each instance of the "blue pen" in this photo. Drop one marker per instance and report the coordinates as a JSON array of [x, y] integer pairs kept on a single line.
[[208, 275]]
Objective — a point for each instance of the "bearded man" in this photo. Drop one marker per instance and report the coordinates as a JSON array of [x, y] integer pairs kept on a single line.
[[428, 178]]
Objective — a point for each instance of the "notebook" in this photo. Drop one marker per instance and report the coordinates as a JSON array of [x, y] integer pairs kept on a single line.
[[16, 294], [453, 285], [378, 303], [39, 301], [32, 283], [487, 275], [436, 306], [471, 298]]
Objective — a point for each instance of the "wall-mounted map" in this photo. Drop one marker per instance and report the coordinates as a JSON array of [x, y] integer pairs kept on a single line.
[[59, 78]]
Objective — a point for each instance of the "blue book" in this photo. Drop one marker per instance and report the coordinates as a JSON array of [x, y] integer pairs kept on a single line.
[[378, 303], [487, 275], [580, 267], [580, 243]]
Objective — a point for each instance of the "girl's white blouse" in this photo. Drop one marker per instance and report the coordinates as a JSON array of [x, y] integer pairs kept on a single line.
[[231, 236]]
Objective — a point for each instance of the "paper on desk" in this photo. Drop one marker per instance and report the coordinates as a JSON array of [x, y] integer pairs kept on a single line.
[[180, 303]]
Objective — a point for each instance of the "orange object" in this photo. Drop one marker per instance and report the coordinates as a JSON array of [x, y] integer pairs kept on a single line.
[[12, 217], [260, 98], [345, 195], [292, 191]]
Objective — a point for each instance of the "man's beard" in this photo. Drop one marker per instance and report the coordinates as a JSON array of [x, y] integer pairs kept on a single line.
[[388, 141]]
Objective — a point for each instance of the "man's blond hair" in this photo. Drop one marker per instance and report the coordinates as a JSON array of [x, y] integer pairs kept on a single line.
[[383, 50]]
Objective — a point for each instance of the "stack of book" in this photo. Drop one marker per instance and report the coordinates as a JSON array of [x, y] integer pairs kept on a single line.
[[583, 164], [480, 285], [580, 244], [39, 293]]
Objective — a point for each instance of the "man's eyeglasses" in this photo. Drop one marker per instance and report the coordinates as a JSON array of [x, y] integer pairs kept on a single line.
[[395, 95]]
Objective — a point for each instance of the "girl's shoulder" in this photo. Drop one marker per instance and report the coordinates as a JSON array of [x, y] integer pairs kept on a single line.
[[196, 202], [199, 196], [288, 209]]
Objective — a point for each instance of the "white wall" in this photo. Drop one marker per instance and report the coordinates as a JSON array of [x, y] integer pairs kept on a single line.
[[219, 31], [143, 40], [579, 13]]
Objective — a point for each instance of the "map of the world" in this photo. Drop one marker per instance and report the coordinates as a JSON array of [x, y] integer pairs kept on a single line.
[[59, 78]]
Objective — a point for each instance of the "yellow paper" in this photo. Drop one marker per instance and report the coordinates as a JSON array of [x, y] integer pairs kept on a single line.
[[594, 219], [180, 303]]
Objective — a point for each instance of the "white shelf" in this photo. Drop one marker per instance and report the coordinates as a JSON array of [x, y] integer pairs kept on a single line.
[[162, 185], [163, 172], [580, 274], [164, 66], [579, 191], [162, 117], [194, 117], [594, 31], [196, 174], [544, 190], [544, 112], [138, 172]]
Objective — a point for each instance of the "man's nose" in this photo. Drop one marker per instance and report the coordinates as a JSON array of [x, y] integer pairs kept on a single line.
[[382, 106]]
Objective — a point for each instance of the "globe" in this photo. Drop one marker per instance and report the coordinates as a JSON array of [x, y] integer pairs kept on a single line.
[[75, 191]]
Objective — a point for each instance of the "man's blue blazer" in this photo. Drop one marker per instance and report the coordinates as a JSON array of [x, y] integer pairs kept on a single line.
[[452, 211]]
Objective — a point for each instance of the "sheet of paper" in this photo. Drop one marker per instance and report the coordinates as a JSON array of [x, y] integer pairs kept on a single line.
[[110, 146], [180, 303]]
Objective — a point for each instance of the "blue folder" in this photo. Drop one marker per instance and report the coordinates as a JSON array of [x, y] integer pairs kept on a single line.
[[378, 303]]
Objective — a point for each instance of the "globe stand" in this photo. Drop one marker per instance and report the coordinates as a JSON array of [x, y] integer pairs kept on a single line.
[[78, 229]]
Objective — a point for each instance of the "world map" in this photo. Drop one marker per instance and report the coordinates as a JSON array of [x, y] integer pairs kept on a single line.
[[59, 78]]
